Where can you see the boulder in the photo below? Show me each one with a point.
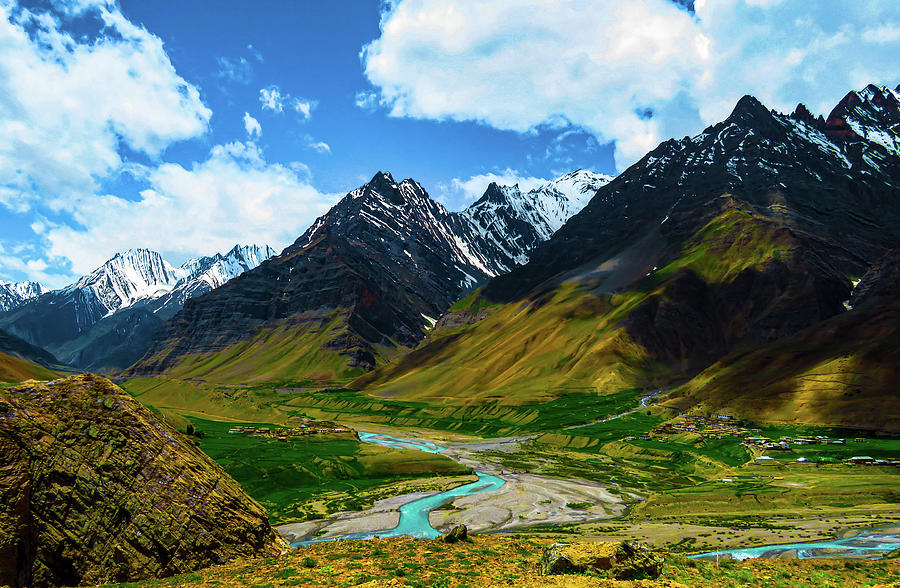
(615, 559)
(457, 533)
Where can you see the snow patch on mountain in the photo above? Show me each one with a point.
(141, 276)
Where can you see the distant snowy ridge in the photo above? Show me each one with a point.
(513, 223)
(142, 276)
(16, 293)
(207, 273)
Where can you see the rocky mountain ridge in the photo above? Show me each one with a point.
(740, 237)
(387, 258)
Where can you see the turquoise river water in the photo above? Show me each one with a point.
(867, 543)
(414, 515)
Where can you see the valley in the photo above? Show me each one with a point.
(697, 355)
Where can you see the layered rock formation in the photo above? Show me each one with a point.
(96, 489)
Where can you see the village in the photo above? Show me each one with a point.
(720, 426)
(285, 433)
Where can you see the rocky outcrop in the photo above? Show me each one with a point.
(96, 489)
(613, 559)
(457, 534)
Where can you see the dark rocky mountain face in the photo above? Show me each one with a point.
(96, 489)
(840, 194)
(12, 345)
(824, 192)
(387, 259)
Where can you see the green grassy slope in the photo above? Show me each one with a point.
(573, 337)
(290, 351)
(841, 372)
(14, 369)
(288, 476)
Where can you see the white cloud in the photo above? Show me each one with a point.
(272, 98)
(252, 126)
(66, 102)
(255, 53)
(604, 65)
(233, 196)
(886, 33)
(367, 100)
(316, 145)
(459, 193)
(237, 70)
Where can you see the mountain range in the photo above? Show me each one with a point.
(693, 270)
(365, 281)
(105, 319)
(694, 264)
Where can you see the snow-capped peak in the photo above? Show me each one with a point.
(15, 293)
(219, 268)
(514, 223)
(128, 277)
(142, 275)
(871, 115)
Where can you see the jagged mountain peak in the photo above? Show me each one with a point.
(868, 116)
(748, 105)
(383, 189)
(497, 194)
(129, 276)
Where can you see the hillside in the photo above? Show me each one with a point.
(20, 361)
(840, 371)
(736, 239)
(97, 489)
(493, 560)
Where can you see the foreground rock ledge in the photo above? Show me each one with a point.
(94, 488)
(615, 559)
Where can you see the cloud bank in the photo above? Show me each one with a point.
(79, 109)
(632, 72)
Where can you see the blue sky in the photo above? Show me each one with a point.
(189, 126)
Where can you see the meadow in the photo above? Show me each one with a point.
(314, 475)
(286, 402)
(492, 560)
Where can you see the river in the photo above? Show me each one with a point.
(414, 520)
(868, 542)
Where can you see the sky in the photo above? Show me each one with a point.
(186, 127)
